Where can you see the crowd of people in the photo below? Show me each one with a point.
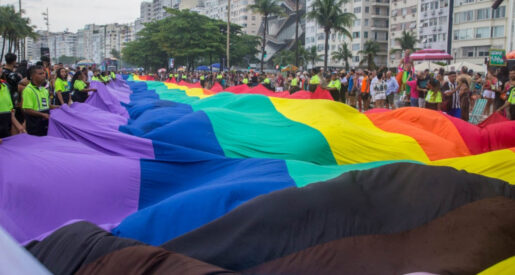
(452, 92)
(27, 94)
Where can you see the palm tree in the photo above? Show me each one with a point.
(313, 56)
(369, 51)
(344, 54)
(329, 15)
(407, 41)
(266, 8)
(13, 28)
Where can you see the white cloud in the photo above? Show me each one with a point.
(73, 14)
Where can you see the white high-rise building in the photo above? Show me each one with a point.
(433, 24)
(403, 17)
(91, 43)
(146, 12)
(241, 14)
(478, 28)
(372, 21)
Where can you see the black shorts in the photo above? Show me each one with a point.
(5, 125)
(37, 126)
(79, 96)
(432, 106)
(66, 98)
(19, 114)
(365, 96)
(512, 111)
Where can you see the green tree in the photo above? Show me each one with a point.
(266, 8)
(143, 51)
(329, 15)
(343, 54)
(69, 60)
(407, 41)
(370, 48)
(115, 53)
(191, 39)
(313, 56)
(244, 48)
(284, 57)
(14, 28)
(187, 35)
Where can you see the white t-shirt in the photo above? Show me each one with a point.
(372, 83)
(90, 75)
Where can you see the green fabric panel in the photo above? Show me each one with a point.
(250, 126)
(304, 173)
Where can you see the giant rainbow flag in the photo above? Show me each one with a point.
(247, 180)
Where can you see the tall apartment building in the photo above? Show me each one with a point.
(433, 24)
(478, 28)
(240, 13)
(403, 17)
(91, 43)
(116, 37)
(281, 30)
(372, 23)
(59, 44)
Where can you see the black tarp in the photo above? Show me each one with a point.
(466, 240)
(388, 199)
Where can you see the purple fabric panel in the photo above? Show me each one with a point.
(106, 101)
(98, 129)
(66, 180)
(120, 91)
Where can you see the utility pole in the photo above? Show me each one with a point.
(228, 33)
(22, 42)
(297, 33)
(45, 17)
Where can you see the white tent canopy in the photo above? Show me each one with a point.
(457, 67)
(426, 65)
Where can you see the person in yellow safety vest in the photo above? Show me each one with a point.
(314, 82)
(7, 115)
(170, 76)
(202, 80)
(176, 76)
(294, 84)
(335, 86)
(113, 75)
(266, 82)
(96, 76)
(510, 102)
(104, 77)
(245, 80)
(36, 102)
(219, 78)
(184, 77)
(62, 88)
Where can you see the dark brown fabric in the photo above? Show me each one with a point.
(149, 260)
(464, 241)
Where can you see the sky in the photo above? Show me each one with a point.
(74, 14)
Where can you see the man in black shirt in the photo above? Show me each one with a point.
(12, 79)
(9, 75)
(22, 69)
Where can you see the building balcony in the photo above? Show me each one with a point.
(379, 28)
(380, 3)
(380, 15)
